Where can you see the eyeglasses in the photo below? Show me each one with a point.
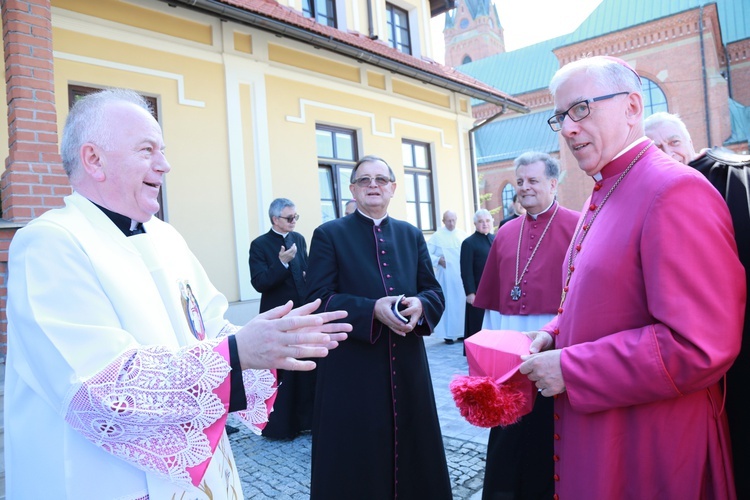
(577, 111)
(365, 181)
(290, 219)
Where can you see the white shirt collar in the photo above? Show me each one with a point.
(534, 216)
(376, 221)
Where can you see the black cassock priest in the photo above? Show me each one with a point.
(376, 433)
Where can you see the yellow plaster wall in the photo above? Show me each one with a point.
(376, 80)
(305, 60)
(139, 17)
(197, 190)
(243, 42)
(356, 110)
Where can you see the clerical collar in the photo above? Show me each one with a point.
(620, 162)
(283, 235)
(375, 221)
(534, 216)
(128, 226)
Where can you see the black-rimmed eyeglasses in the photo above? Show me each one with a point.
(365, 181)
(290, 219)
(577, 111)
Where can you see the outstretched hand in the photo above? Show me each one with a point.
(280, 337)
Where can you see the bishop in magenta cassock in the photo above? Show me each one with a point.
(651, 312)
(519, 291)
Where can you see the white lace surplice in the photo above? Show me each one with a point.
(116, 360)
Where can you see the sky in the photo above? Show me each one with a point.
(526, 22)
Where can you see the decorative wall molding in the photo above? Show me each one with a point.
(177, 78)
(302, 118)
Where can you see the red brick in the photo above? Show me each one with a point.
(18, 213)
(51, 158)
(59, 180)
(48, 138)
(29, 82)
(46, 116)
(40, 189)
(23, 156)
(19, 93)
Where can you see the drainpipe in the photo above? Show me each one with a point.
(475, 186)
(370, 28)
(705, 80)
(729, 71)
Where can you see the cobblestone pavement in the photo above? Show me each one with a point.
(280, 469)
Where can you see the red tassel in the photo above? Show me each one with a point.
(484, 404)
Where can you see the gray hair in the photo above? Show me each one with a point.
(551, 165)
(367, 158)
(482, 212)
(87, 122)
(277, 206)
(608, 72)
(657, 119)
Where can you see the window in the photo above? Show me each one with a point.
(398, 28)
(420, 208)
(466, 60)
(654, 99)
(337, 154)
(507, 194)
(323, 11)
(75, 92)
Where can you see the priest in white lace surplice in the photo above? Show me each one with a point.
(121, 368)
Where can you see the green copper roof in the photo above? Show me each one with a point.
(615, 15)
(531, 68)
(518, 71)
(740, 119)
(507, 139)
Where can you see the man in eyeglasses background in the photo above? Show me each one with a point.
(651, 310)
(729, 173)
(278, 263)
(375, 429)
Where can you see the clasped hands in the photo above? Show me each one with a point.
(542, 365)
(280, 337)
(384, 314)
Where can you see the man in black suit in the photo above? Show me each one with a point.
(376, 433)
(518, 211)
(278, 264)
(474, 251)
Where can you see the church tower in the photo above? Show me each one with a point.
(472, 31)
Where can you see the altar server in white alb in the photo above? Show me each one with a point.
(445, 251)
(121, 368)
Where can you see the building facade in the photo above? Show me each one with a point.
(694, 59)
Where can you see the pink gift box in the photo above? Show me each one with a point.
(497, 354)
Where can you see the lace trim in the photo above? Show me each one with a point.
(151, 406)
(260, 391)
(260, 394)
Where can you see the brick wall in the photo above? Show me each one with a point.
(33, 180)
(668, 52)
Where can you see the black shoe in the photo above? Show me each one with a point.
(449, 341)
(230, 429)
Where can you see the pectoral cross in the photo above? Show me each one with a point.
(515, 293)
